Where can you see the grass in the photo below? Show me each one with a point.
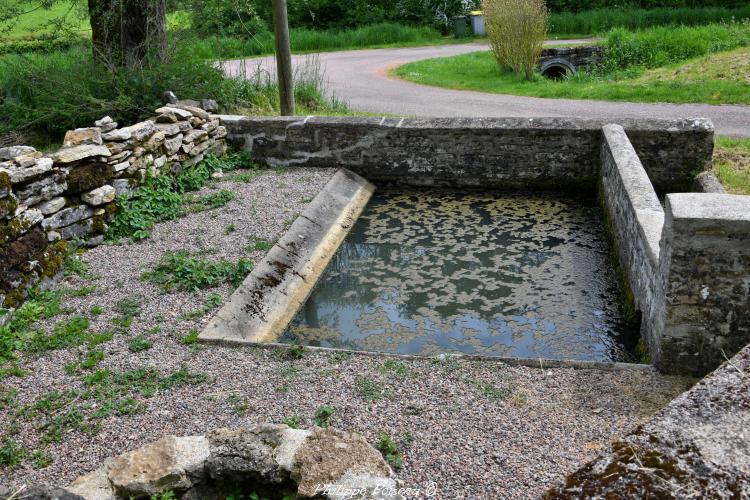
(732, 164)
(601, 20)
(716, 78)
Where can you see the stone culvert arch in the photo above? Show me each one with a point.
(557, 68)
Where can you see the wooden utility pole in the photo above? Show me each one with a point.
(283, 57)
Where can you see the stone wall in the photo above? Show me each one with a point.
(483, 152)
(705, 265)
(687, 266)
(636, 218)
(48, 200)
(569, 59)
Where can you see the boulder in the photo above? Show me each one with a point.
(328, 454)
(172, 463)
(91, 135)
(241, 454)
(81, 152)
(99, 196)
(168, 97)
(95, 485)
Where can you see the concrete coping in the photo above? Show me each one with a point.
(269, 298)
(709, 206)
(641, 194)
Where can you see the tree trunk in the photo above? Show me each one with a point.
(127, 32)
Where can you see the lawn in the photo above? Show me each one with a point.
(732, 164)
(720, 78)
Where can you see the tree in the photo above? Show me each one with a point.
(125, 32)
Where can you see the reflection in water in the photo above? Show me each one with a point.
(429, 272)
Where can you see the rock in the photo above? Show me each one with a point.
(94, 485)
(53, 236)
(193, 161)
(196, 111)
(95, 241)
(99, 196)
(67, 217)
(217, 175)
(200, 148)
(186, 147)
(91, 135)
(155, 141)
(106, 124)
(27, 160)
(328, 454)
(23, 249)
(173, 145)
(171, 463)
(139, 131)
(168, 97)
(210, 126)
(76, 153)
(19, 174)
(44, 189)
(8, 153)
(116, 169)
(181, 114)
(195, 136)
(8, 206)
(210, 105)
(169, 129)
(52, 206)
(31, 216)
(77, 230)
(40, 493)
(117, 158)
(291, 441)
(219, 132)
(160, 161)
(218, 148)
(124, 187)
(196, 122)
(167, 118)
(238, 454)
(366, 486)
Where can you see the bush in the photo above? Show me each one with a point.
(581, 5)
(516, 29)
(597, 21)
(667, 45)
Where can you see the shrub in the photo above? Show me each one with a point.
(580, 5)
(516, 29)
(237, 18)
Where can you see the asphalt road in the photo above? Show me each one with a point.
(360, 78)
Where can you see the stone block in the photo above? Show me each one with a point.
(68, 216)
(91, 135)
(43, 189)
(81, 152)
(10, 152)
(52, 206)
(99, 196)
(37, 168)
(179, 113)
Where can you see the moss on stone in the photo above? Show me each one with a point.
(8, 206)
(98, 225)
(53, 259)
(87, 177)
(13, 229)
(5, 181)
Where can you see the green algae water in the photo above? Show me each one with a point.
(512, 275)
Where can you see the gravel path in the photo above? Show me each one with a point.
(360, 78)
(479, 429)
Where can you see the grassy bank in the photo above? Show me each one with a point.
(601, 20)
(732, 164)
(660, 65)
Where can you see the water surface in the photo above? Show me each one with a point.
(430, 272)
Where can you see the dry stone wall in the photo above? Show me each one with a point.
(49, 200)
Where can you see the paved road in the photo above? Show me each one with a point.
(359, 78)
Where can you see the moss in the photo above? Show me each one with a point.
(110, 210)
(13, 229)
(53, 259)
(14, 298)
(88, 177)
(5, 181)
(8, 205)
(98, 224)
(641, 351)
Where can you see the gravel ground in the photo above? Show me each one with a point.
(478, 429)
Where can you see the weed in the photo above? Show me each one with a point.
(292, 421)
(129, 307)
(288, 371)
(41, 459)
(389, 448)
(96, 310)
(258, 245)
(209, 201)
(181, 271)
(166, 495)
(395, 367)
(73, 264)
(11, 453)
(240, 405)
(288, 223)
(340, 356)
(139, 343)
(191, 338)
(492, 392)
(100, 338)
(323, 416)
(230, 228)
(83, 291)
(7, 397)
(295, 351)
(92, 359)
(368, 389)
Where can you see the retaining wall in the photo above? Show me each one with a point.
(47, 200)
(483, 152)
